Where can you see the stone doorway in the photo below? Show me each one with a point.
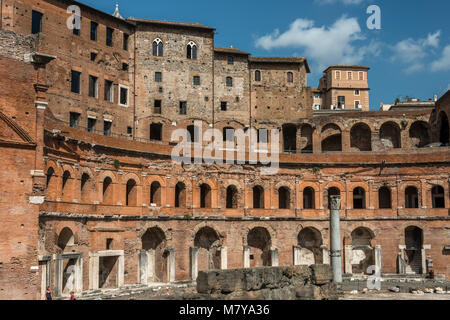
(413, 250)
(106, 269)
(154, 257)
(68, 274)
(259, 243)
(363, 255)
(310, 246)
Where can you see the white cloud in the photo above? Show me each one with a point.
(443, 63)
(412, 52)
(325, 45)
(346, 2)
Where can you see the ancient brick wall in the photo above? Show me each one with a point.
(74, 53)
(19, 227)
(177, 75)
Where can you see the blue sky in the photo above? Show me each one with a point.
(410, 55)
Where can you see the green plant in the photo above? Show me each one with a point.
(316, 170)
(117, 164)
(187, 216)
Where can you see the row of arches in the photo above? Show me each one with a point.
(231, 197)
(258, 240)
(330, 137)
(361, 137)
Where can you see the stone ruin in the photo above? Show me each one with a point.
(267, 283)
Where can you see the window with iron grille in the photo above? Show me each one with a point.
(158, 76)
(196, 80)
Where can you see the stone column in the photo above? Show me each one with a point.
(326, 255)
(79, 274)
(297, 255)
(143, 267)
(378, 260)
(348, 256)
(424, 257)
(193, 262)
(246, 257)
(151, 266)
(335, 231)
(401, 260)
(345, 140)
(274, 257)
(57, 286)
(426, 201)
(223, 258)
(171, 264)
(120, 271)
(93, 271)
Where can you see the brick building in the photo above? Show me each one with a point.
(92, 200)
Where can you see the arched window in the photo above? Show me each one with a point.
(229, 81)
(192, 50)
(411, 198)
(107, 191)
(361, 137)
(438, 196)
(290, 77)
(359, 198)
(50, 175)
(208, 243)
(157, 48)
(66, 238)
(309, 201)
(307, 140)
(310, 242)
(331, 138)
(131, 196)
(257, 75)
(205, 196)
(390, 135)
(65, 180)
(258, 197)
(284, 198)
(232, 197)
(289, 138)
(180, 195)
(84, 186)
(155, 193)
(420, 134)
(443, 128)
(384, 198)
(260, 243)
